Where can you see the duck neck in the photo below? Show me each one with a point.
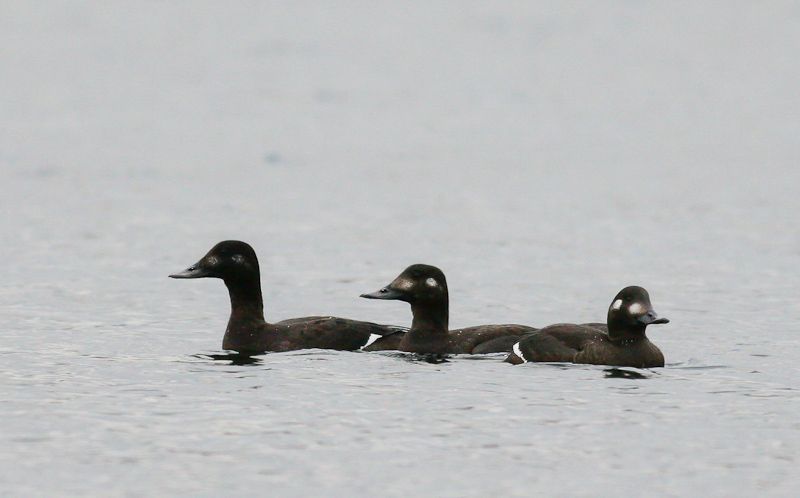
(247, 305)
(430, 317)
(626, 334)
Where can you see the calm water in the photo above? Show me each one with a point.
(543, 156)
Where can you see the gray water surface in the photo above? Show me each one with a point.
(543, 155)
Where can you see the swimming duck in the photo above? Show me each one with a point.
(235, 262)
(622, 342)
(424, 287)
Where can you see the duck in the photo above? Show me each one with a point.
(620, 342)
(424, 287)
(236, 264)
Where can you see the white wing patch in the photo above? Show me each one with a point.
(431, 282)
(518, 352)
(617, 304)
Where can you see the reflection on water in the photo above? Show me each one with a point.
(233, 358)
(433, 359)
(622, 373)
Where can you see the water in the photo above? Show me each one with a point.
(544, 156)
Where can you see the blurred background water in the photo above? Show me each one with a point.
(543, 154)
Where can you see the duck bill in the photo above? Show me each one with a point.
(385, 293)
(194, 271)
(651, 318)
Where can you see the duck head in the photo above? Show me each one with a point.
(631, 312)
(425, 289)
(230, 260)
(416, 285)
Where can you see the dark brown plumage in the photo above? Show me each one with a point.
(621, 342)
(424, 287)
(236, 264)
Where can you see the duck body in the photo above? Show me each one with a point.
(620, 342)
(235, 262)
(480, 339)
(424, 287)
(315, 332)
(570, 343)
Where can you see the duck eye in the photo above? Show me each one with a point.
(237, 258)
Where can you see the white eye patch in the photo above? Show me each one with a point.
(617, 304)
(212, 260)
(431, 282)
(404, 284)
(237, 258)
(636, 309)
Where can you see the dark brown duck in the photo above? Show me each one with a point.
(236, 264)
(425, 289)
(623, 343)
